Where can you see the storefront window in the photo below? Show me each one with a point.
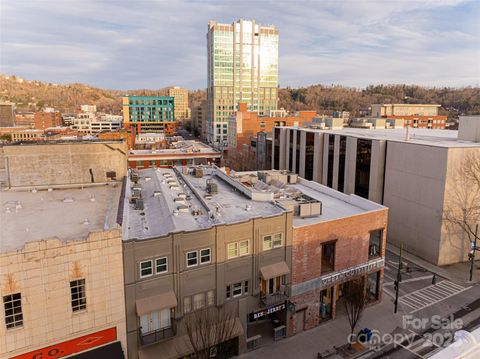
(326, 297)
(373, 286)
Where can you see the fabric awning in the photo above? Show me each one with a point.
(274, 270)
(156, 303)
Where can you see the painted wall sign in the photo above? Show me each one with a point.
(72, 346)
(264, 312)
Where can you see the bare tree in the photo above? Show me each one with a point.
(471, 168)
(462, 205)
(210, 332)
(355, 301)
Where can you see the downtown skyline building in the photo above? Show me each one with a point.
(242, 67)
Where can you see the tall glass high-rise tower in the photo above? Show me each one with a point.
(242, 67)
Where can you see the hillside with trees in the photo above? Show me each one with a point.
(35, 95)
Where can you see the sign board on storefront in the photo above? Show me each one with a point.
(337, 277)
(261, 314)
(72, 346)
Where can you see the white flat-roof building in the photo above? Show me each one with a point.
(411, 171)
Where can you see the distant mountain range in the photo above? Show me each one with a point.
(30, 95)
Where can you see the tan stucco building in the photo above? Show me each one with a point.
(180, 100)
(61, 273)
(401, 109)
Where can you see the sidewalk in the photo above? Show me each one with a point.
(334, 333)
(457, 273)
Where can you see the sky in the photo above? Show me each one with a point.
(154, 43)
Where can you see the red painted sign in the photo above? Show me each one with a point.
(72, 346)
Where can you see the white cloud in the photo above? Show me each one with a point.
(152, 44)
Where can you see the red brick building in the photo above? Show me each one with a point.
(326, 255)
(44, 120)
(245, 124)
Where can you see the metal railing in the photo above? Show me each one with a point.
(274, 298)
(254, 342)
(157, 335)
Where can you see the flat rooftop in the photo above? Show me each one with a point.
(335, 204)
(180, 148)
(165, 212)
(68, 214)
(176, 200)
(421, 136)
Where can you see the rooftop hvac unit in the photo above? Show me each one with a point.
(212, 187)
(199, 172)
(134, 177)
(182, 208)
(137, 194)
(292, 178)
(139, 204)
(310, 209)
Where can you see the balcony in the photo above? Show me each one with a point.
(272, 299)
(158, 335)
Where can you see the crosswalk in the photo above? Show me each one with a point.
(430, 295)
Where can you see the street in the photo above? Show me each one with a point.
(421, 299)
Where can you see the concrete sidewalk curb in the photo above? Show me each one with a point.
(430, 267)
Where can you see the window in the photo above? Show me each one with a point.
(243, 248)
(331, 147)
(210, 298)
(13, 310)
(362, 170)
(237, 249)
(161, 265)
(79, 299)
(205, 256)
(328, 257)
(187, 305)
(155, 320)
(232, 250)
(198, 301)
(192, 258)
(146, 269)
(272, 241)
(277, 240)
(375, 243)
(341, 163)
(237, 289)
(373, 281)
(267, 243)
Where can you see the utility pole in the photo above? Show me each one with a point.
(399, 279)
(471, 255)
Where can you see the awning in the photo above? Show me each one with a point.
(110, 351)
(274, 270)
(156, 303)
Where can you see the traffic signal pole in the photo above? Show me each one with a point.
(399, 279)
(472, 252)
